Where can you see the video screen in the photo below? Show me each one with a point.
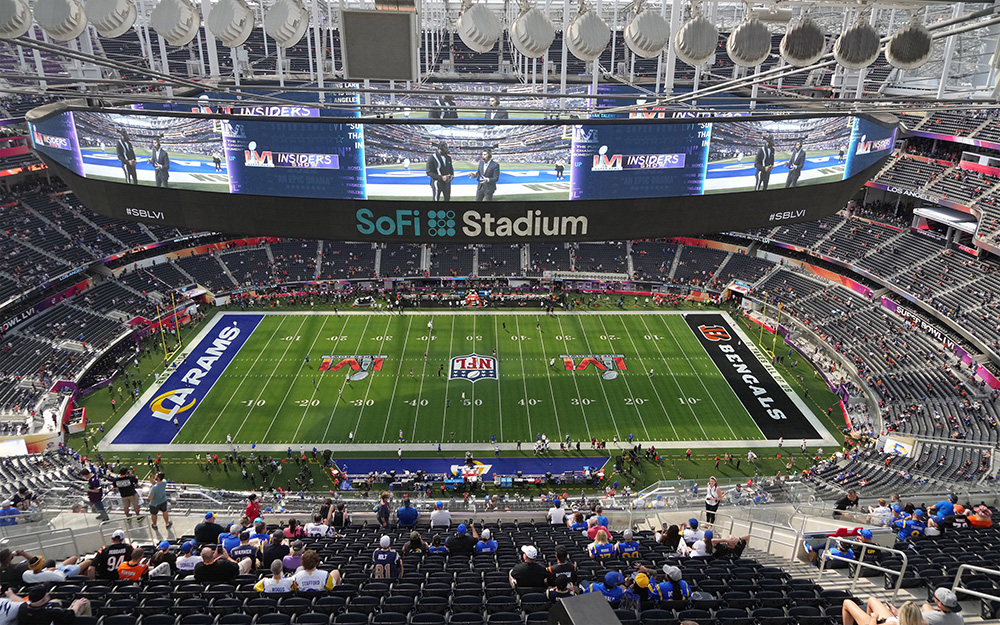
(472, 163)
(770, 154)
(869, 143)
(155, 150)
(56, 136)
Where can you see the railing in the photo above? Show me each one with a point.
(770, 528)
(955, 588)
(860, 563)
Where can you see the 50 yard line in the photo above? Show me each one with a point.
(447, 382)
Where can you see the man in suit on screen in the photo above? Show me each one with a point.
(161, 164)
(796, 162)
(441, 172)
(494, 111)
(487, 174)
(126, 155)
(764, 163)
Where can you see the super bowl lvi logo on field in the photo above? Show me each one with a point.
(608, 364)
(473, 368)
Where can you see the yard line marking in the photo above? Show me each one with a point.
(244, 379)
(447, 382)
(552, 394)
(472, 420)
(662, 357)
(302, 365)
(302, 419)
(496, 333)
(264, 386)
(524, 378)
(392, 396)
(371, 380)
(625, 378)
(368, 319)
(607, 400)
(579, 396)
(702, 382)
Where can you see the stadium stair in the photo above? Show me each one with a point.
(676, 262)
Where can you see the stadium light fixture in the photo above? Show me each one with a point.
(177, 21)
(232, 21)
(696, 40)
(910, 47)
(648, 33)
(749, 43)
(858, 46)
(15, 18)
(62, 20)
(803, 44)
(478, 27)
(587, 35)
(286, 21)
(111, 18)
(531, 32)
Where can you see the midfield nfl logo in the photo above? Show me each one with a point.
(361, 366)
(473, 368)
(608, 364)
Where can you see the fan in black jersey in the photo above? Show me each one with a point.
(126, 484)
(110, 556)
(388, 564)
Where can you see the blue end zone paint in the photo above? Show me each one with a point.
(500, 466)
(188, 385)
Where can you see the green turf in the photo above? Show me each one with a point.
(267, 393)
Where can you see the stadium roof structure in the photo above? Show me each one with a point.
(944, 54)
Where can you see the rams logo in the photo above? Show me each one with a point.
(175, 404)
(714, 333)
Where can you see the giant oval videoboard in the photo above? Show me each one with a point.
(293, 173)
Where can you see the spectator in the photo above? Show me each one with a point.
(672, 539)
(528, 575)
(705, 547)
(673, 587)
(276, 550)
(95, 494)
(730, 548)
(691, 533)
(188, 559)
(38, 610)
(486, 543)
(388, 563)
(293, 530)
(383, 512)
(576, 522)
(440, 517)
(23, 499)
(245, 550)
(878, 612)
(945, 610)
(158, 500)
(253, 507)
(461, 543)
(164, 562)
(627, 548)
(416, 544)
(310, 578)
(207, 532)
(110, 556)
(9, 604)
(39, 573)
(436, 545)
(9, 514)
(340, 518)
(562, 568)
(560, 589)
(260, 534)
(133, 569)
(293, 560)
(216, 567)
(277, 582)
(556, 514)
(318, 528)
(850, 500)
(407, 515)
(126, 484)
(601, 548)
(231, 539)
(946, 507)
(611, 587)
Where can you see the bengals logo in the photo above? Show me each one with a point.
(714, 333)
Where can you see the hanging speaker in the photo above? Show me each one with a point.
(231, 21)
(647, 34)
(858, 46)
(286, 21)
(60, 19)
(696, 41)
(587, 35)
(15, 18)
(803, 44)
(910, 47)
(177, 21)
(532, 32)
(749, 43)
(478, 27)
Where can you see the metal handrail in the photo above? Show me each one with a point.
(975, 593)
(827, 556)
(771, 526)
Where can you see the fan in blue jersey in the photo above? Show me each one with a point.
(912, 527)
(673, 588)
(485, 544)
(627, 548)
(387, 563)
(601, 548)
(611, 587)
(437, 545)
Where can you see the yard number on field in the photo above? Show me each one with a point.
(690, 400)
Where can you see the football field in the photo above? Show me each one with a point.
(422, 378)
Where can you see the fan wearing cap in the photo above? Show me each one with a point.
(95, 494)
(876, 612)
(387, 563)
(945, 610)
(441, 171)
(461, 542)
(164, 562)
(672, 588)
(486, 543)
(38, 610)
(207, 532)
(437, 545)
(690, 532)
(245, 550)
(556, 514)
(440, 517)
(611, 587)
(293, 560)
(40, 571)
(560, 588)
(911, 526)
(275, 550)
(188, 558)
(110, 556)
(528, 575)
(946, 507)
(627, 548)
